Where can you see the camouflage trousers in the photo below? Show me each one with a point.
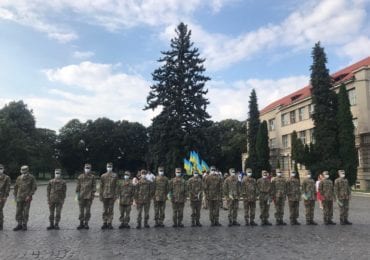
(214, 210)
(328, 210)
(108, 210)
(22, 211)
(279, 208)
(293, 210)
(85, 209)
(343, 209)
(233, 210)
(2, 204)
(205, 201)
(264, 208)
(159, 211)
(178, 212)
(140, 207)
(55, 209)
(195, 210)
(309, 209)
(125, 213)
(249, 210)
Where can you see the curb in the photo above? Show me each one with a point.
(361, 194)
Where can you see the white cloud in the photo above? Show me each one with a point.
(83, 54)
(357, 49)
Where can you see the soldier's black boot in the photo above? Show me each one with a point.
(217, 223)
(282, 222)
(198, 223)
(56, 226)
(175, 223)
(156, 224)
(138, 225)
(247, 222)
(109, 226)
(18, 227)
(86, 226)
(146, 224)
(51, 226)
(81, 226)
(193, 223)
(313, 223)
(252, 223)
(180, 224)
(105, 225)
(236, 223)
(267, 223)
(122, 226)
(347, 222)
(24, 226)
(330, 222)
(230, 223)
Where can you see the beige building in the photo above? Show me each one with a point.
(293, 112)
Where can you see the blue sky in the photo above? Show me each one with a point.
(88, 59)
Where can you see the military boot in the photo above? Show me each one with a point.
(105, 226)
(122, 226)
(56, 226)
(109, 226)
(217, 223)
(330, 222)
(86, 226)
(138, 225)
(157, 224)
(347, 222)
(252, 223)
(198, 223)
(193, 223)
(81, 226)
(180, 224)
(267, 223)
(18, 227)
(230, 223)
(51, 226)
(236, 223)
(24, 226)
(146, 225)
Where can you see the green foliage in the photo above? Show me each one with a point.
(253, 126)
(346, 136)
(297, 148)
(262, 149)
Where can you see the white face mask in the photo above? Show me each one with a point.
(161, 173)
(57, 175)
(342, 175)
(1, 171)
(213, 172)
(278, 174)
(249, 174)
(232, 174)
(126, 177)
(196, 174)
(264, 176)
(308, 176)
(326, 176)
(293, 174)
(87, 170)
(109, 169)
(178, 174)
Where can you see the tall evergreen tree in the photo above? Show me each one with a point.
(262, 149)
(297, 148)
(179, 90)
(253, 126)
(346, 136)
(324, 116)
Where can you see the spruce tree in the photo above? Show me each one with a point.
(262, 149)
(297, 148)
(346, 136)
(179, 90)
(324, 116)
(253, 126)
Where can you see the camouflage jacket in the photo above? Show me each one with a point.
(4, 185)
(161, 188)
(264, 188)
(213, 187)
(86, 186)
(249, 189)
(25, 186)
(108, 186)
(293, 189)
(279, 187)
(326, 189)
(143, 191)
(56, 190)
(232, 188)
(126, 192)
(178, 190)
(195, 188)
(309, 189)
(342, 190)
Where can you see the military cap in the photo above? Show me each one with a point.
(178, 170)
(24, 168)
(1, 166)
(127, 173)
(110, 164)
(143, 172)
(341, 172)
(231, 170)
(278, 170)
(325, 172)
(248, 170)
(58, 170)
(160, 168)
(87, 165)
(213, 168)
(264, 172)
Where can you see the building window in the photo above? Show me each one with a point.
(301, 114)
(272, 124)
(285, 141)
(284, 119)
(302, 136)
(292, 117)
(311, 109)
(352, 97)
(272, 143)
(284, 163)
(312, 138)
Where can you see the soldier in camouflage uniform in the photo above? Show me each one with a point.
(231, 190)
(85, 191)
(326, 189)
(213, 191)
(279, 192)
(56, 194)
(342, 192)
(24, 188)
(264, 191)
(178, 193)
(195, 188)
(108, 195)
(294, 194)
(4, 193)
(161, 187)
(249, 192)
(143, 194)
(308, 193)
(125, 191)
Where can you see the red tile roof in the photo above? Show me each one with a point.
(339, 76)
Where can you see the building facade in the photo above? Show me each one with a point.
(294, 113)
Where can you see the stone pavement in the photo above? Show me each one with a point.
(275, 242)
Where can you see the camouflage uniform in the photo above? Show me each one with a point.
(4, 194)
(213, 191)
(143, 195)
(108, 195)
(85, 189)
(342, 192)
(125, 192)
(161, 187)
(177, 190)
(249, 192)
(231, 189)
(264, 191)
(195, 188)
(327, 192)
(308, 192)
(56, 194)
(24, 188)
(279, 192)
(294, 194)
